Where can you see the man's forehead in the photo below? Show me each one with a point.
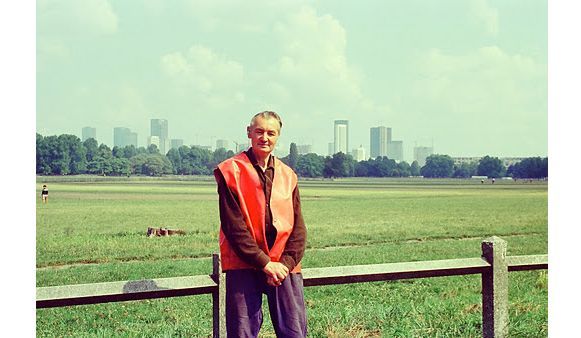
(265, 123)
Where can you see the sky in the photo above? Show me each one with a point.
(466, 76)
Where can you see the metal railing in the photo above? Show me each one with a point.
(493, 266)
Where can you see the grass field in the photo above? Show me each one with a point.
(93, 230)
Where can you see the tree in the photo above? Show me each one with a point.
(340, 165)
(42, 156)
(120, 166)
(464, 170)
(531, 167)
(404, 169)
(438, 166)
(310, 165)
(415, 169)
(129, 151)
(491, 167)
(102, 161)
(293, 156)
(152, 149)
(91, 148)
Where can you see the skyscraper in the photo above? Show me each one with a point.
(358, 154)
(421, 153)
(395, 150)
(304, 149)
(89, 132)
(176, 143)
(159, 129)
(379, 138)
(341, 140)
(123, 137)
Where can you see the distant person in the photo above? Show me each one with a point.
(493, 180)
(482, 181)
(262, 236)
(44, 194)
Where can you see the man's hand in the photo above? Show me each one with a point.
(275, 273)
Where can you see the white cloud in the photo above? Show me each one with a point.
(255, 16)
(485, 15)
(203, 70)
(75, 17)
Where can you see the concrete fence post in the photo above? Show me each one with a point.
(218, 299)
(495, 289)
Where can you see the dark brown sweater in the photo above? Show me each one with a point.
(237, 233)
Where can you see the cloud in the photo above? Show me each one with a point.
(203, 69)
(485, 15)
(255, 16)
(55, 17)
(487, 80)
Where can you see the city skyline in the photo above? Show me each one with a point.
(404, 64)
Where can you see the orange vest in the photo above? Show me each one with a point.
(242, 179)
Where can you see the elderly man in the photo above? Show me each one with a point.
(262, 235)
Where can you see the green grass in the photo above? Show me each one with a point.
(94, 231)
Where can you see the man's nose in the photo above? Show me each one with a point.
(263, 137)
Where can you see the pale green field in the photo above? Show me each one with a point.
(94, 231)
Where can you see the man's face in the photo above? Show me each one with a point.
(264, 134)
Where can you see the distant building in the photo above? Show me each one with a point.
(203, 147)
(89, 132)
(358, 154)
(331, 148)
(223, 144)
(395, 150)
(379, 138)
(421, 153)
(281, 150)
(132, 139)
(341, 137)
(506, 161)
(176, 143)
(465, 160)
(242, 146)
(153, 140)
(304, 149)
(124, 137)
(159, 128)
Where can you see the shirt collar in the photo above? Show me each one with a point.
(250, 154)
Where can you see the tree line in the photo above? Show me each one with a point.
(67, 155)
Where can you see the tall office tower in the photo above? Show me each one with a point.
(176, 143)
(379, 138)
(358, 154)
(223, 144)
(132, 139)
(159, 129)
(421, 153)
(153, 140)
(121, 136)
(304, 149)
(341, 140)
(395, 150)
(89, 132)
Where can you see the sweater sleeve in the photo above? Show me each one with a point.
(295, 245)
(234, 227)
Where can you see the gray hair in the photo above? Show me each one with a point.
(267, 114)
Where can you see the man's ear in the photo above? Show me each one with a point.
(248, 132)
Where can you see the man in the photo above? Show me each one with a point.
(262, 236)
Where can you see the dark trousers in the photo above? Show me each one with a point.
(286, 304)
